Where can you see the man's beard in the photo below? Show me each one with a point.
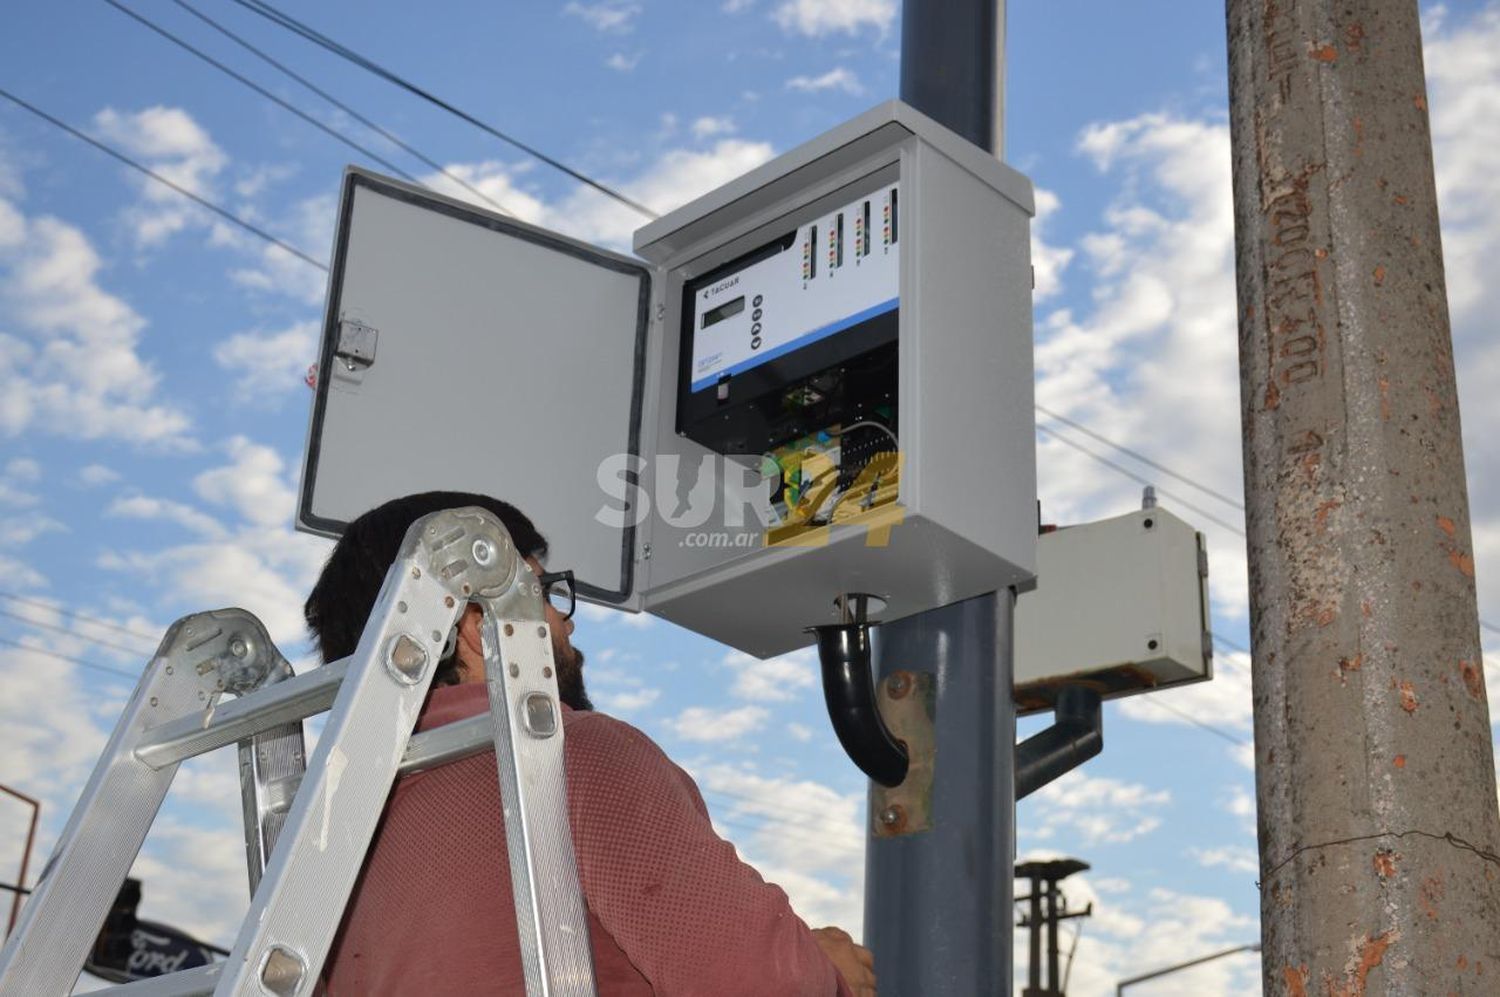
(570, 676)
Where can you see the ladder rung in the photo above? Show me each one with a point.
(294, 699)
(448, 743)
(183, 983)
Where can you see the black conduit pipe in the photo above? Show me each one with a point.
(849, 691)
(1076, 735)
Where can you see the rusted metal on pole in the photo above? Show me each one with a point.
(36, 811)
(1374, 769)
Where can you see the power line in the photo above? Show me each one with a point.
(1054, 434)
(108, 151)
(1136, 455)
(1231, 645)
(74, 634)
(1140, 457)
(71, 660)
(383, 133)
(325, 129)
(74, 614)
(290, 23)
(1202, 724)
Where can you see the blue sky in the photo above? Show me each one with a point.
(152, 410)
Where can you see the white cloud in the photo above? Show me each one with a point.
(620, 62)
(700, 723)
(708, 127)
(737, 6)
(23, 469)
(676, 177)
(1223, 702)
(628, 701)
(1462, 58)
(837, 78)
(799, 732)
(1048, 261)
(268, 364)
(17, 531)
(1235, 858)
(146, 507)
(94, 475)
(610, 15)
(1098, 809)
(254, 560)
(21, 575)
(19, 473)
(780, 679)
(821, 17)
(254, 484)
(804, 836)
(82, 375)
(308, 226)
(256, 180)
(175, 146)
(496, 182)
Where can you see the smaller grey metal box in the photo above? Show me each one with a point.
(1120, 604)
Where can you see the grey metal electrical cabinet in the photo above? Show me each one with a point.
(465, 350)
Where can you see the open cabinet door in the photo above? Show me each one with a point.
(467, 351)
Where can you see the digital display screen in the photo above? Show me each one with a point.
(724, 311)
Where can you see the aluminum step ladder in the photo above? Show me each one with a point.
(307, 832)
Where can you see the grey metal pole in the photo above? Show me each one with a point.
(938, 902)
(953, 66)
(1374, 769)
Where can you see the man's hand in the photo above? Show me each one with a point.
(855, 963)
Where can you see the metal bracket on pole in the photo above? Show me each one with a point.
(1076, 735)
(908, 701)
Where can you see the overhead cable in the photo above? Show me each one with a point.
(203, 202)
(1202, 724)
(1135, 455)
(1054, 434)
(73, 634)
(75, 615)
(1140, 457)
(268, 95)
(290, 23)
(377, 129)
(71, 660)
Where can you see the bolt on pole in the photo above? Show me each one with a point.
(1375, 774)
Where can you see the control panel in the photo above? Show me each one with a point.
(796, 336)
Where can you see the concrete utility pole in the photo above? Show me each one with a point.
(938, 903)
(1374, 770)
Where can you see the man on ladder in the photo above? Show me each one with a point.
(671, 908)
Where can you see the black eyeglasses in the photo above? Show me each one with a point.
(557, 589)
